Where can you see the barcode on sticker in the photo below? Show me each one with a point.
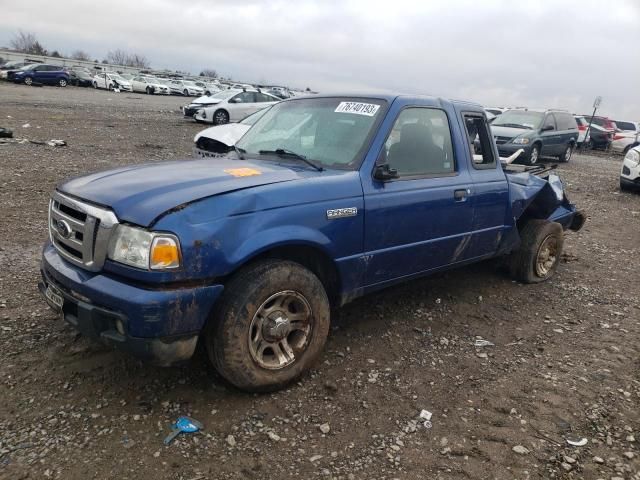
(368, 109)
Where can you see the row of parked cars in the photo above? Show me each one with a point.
(557, 133)
(39, 73)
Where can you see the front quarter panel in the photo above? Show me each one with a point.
(221, 233)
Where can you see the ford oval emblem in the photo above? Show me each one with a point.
(63, 229)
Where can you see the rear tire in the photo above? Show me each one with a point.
(148, 90)
(269, 327)
(537, 258)
(566, 156)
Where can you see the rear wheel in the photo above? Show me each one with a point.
(269, 327)
(185, 92)
(148, 90)
(62, 82)
(95, 84)
(566, 156)
(28, 81)
(539, 253)
(220, 117)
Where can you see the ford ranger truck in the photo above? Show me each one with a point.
(324, 199)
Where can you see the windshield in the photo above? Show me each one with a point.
(332, 132)
(519, 119)
(31, 66)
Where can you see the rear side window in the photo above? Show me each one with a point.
(480, 141)
(419, 144)
(565, 121)
(549, 121)
(625, 125)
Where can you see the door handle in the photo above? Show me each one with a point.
(461, 195)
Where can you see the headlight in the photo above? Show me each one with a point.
(634, 157)
(520, 141)
(139, 248)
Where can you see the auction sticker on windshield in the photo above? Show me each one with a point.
(368, 109)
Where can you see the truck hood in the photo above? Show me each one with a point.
(140, 194)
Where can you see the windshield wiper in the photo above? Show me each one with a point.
(512, 125)
(239, 151)
(283, 152)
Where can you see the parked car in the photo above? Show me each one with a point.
(582, 124)
(599, 137)
(149, 85)
(603, 122)
(40, 73)
(630, 173)
(111, 81)
(11, 66)
(232, 105)
(208, 88)
(187, 88)
(626, 136)
(247, 256)
(219, 140)
(280, 92)
(80, 77)
(537, 132)
(496, 110)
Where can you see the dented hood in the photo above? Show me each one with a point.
(139, 194)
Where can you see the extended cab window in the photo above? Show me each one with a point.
(480, 141)
(420, 144)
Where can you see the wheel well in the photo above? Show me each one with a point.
(312, 258)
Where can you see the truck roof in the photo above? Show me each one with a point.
(390, 97)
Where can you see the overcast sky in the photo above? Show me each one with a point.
(541, 54)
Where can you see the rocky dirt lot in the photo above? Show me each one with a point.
(565, 364)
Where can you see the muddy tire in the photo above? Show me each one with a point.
(566, 155)
(539, 254)
(269, 327)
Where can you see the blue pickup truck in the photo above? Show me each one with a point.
(324, 199)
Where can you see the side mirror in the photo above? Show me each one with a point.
(384, 172)
(546, 128)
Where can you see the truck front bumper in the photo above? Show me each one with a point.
(160, 324)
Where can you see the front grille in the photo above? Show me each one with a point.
(80, 231)
(500, 140)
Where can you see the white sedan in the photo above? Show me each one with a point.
(149, 85)
(186, 88)
(229, 105)
(111, 81)
(219, 140)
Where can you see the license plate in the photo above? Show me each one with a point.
(54, 296)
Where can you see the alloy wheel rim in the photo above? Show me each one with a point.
(280, 330)
(567, 154)
(534, 155)
(221, 117)
(27, 80)
(547, 256)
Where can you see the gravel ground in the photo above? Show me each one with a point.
(565, 362)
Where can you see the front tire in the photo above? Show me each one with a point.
(220, 117)
(148, 90)
(269, 327)
(28, 81)
(62, 82)
(534, 156)
(537, 258)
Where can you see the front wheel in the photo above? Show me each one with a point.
(220, 117)
(148, 90)
(269, 327)
(539, 253)
(28, 81)
(534, 155)
(62, 82)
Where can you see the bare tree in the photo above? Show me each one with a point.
(209, 72)
(26, 42)
(81, 55)
(120, 57)
(56, 54)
